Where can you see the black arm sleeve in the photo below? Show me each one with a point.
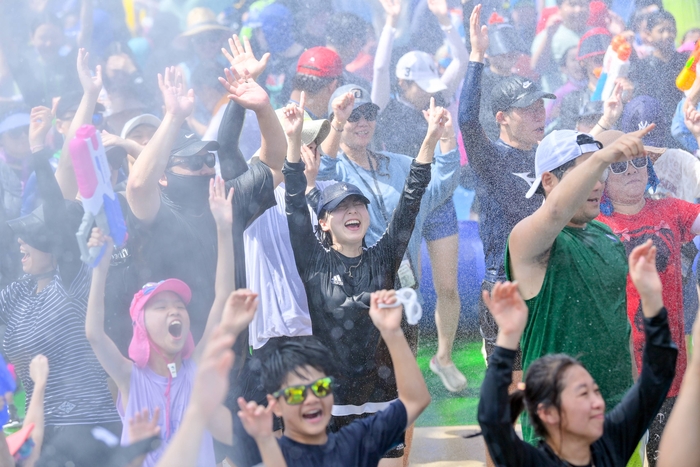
(59, 221)
(392, 246)
(231, 159)
(301, 233)
(627, 422)
(312, 198)
(494, 416)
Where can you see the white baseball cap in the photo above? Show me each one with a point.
(558, 148)
(143, 119)
(420, 67)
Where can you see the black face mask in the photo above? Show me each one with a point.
(187, 191)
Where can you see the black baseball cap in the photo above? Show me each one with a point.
(503, 39)
(335, 194)
(516, 91)
(189, 144)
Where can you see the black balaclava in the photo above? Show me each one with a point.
(187, 191)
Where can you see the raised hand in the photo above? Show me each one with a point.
(241, 56)
(509, 311)
(239, 311)
(645, 277)
(626, 147)
(40, 120)
(293, 121)
(97, 240)
(612, 107)
(439, 9)
(691, 117)
(92, 85)
(39, 370)
(478, 35)
(312, 163)
(178, 101)
(243, 89)
(256, 419)
(392, 8)
(211, 381)
(220, 203)
(342, 108)
(438, 118)
(143, 426)
(387, 320)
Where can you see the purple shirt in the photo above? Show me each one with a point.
(147, 390)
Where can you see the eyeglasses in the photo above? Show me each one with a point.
(367, 111)
(193, 163)
(295, 395)
(621, 167)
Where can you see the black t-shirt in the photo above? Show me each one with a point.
(182, 244)
(400, 129)
(360, 444)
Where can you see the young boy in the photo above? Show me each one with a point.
(299, 377)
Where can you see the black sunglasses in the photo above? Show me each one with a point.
(193, 163)
(367, 111)
(621, 167)
(295, 395)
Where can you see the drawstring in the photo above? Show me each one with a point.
(172, 373)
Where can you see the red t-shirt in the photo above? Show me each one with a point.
(667, 222)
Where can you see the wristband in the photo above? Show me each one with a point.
(605, 129)
(341, 127)
(36, 148)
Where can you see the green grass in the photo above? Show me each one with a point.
(447, 409)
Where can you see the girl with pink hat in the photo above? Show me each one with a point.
(159, 373)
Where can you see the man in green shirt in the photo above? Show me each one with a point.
(572, 270)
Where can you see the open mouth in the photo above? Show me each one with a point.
(593, 200)
(25, 255)
(313, 416)
(353, 225)
(175, 329)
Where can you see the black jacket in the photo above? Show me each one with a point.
(338, 288)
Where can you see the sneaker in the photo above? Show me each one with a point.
(451, 377)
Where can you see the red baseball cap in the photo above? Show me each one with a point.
(321, 62)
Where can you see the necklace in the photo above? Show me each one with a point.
(349, 270)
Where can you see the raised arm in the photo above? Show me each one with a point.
(221, 208)
(460, 56)
(381, 78)
(342, 108)
(142, 189)
(257, 421)
(92, 85)
(245, 91)
(409, 381)
(231, 159)
(114, 363)
(533, 237)
(208, 393)
(612, 111)
(541, 60)
(628, 421)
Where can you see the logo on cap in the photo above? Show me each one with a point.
(189, 136)
(407, 71)
(526, 84)
(642, 125)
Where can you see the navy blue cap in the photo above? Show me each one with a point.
(188, 144)
(641, 112)
(335, 194)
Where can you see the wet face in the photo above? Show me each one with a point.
(47, 40)
(582, 406)
(142, 134)
(628, 187)
(347, 223)
(15, 142)
(305, 422)
(359, 134)
(525, 125)
(34, 261)
(574, 14)
(591, 208)
(167, 322)
(663, 36)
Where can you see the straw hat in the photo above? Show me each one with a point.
(200, 20)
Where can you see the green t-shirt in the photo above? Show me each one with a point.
(581, 309)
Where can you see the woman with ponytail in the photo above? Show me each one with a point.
(562, 400)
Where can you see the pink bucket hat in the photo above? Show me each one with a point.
(140, 346)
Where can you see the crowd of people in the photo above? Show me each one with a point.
(212, 215)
